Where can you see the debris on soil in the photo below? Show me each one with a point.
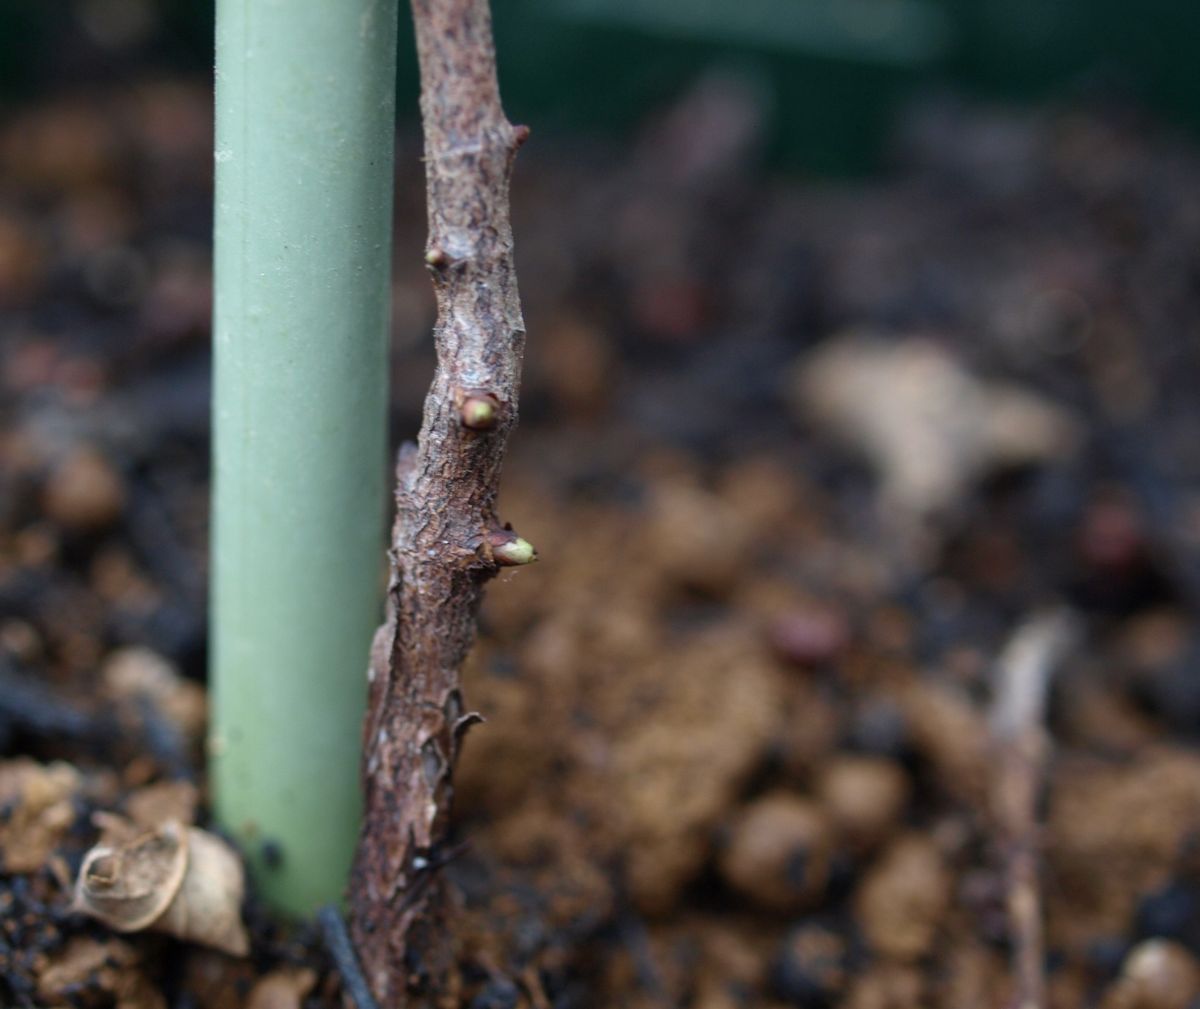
(779, 852)
(1158, 974)
(84, 493)
(87, 967)
(903, 899)
(1115, 832)
(286, 988)
(930, 427)
(171, 878)
(789, 505)
(39, 803)
(866, 798)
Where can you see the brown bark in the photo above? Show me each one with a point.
(446, 541)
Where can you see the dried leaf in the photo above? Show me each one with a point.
(128, 886)
(79, 963)
(209, 904)
(175, 879)
(929, 426)
(132, 676)
(111, 967)
(40, 799)
(282, 989)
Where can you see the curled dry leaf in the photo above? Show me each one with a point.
(129, 885)
(175, 879)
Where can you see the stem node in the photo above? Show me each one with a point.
(479, 411)
(510, 550)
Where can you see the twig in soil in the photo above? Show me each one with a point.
(446, 541)
(337, 941)
(1023, 675)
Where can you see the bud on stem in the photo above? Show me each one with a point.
(479, 411)
(510, 550)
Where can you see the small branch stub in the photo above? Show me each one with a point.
(510, 550)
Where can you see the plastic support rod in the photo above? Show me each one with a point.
(305, 98)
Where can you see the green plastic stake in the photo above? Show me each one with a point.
(304, 152)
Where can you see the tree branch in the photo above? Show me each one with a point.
(446, 542)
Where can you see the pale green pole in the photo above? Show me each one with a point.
(305, 98)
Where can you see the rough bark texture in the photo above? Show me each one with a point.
(446, 541)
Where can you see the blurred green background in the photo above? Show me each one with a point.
(834, 71)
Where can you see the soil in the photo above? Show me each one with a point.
(737, 749)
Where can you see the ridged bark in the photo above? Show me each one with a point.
(447, 541)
